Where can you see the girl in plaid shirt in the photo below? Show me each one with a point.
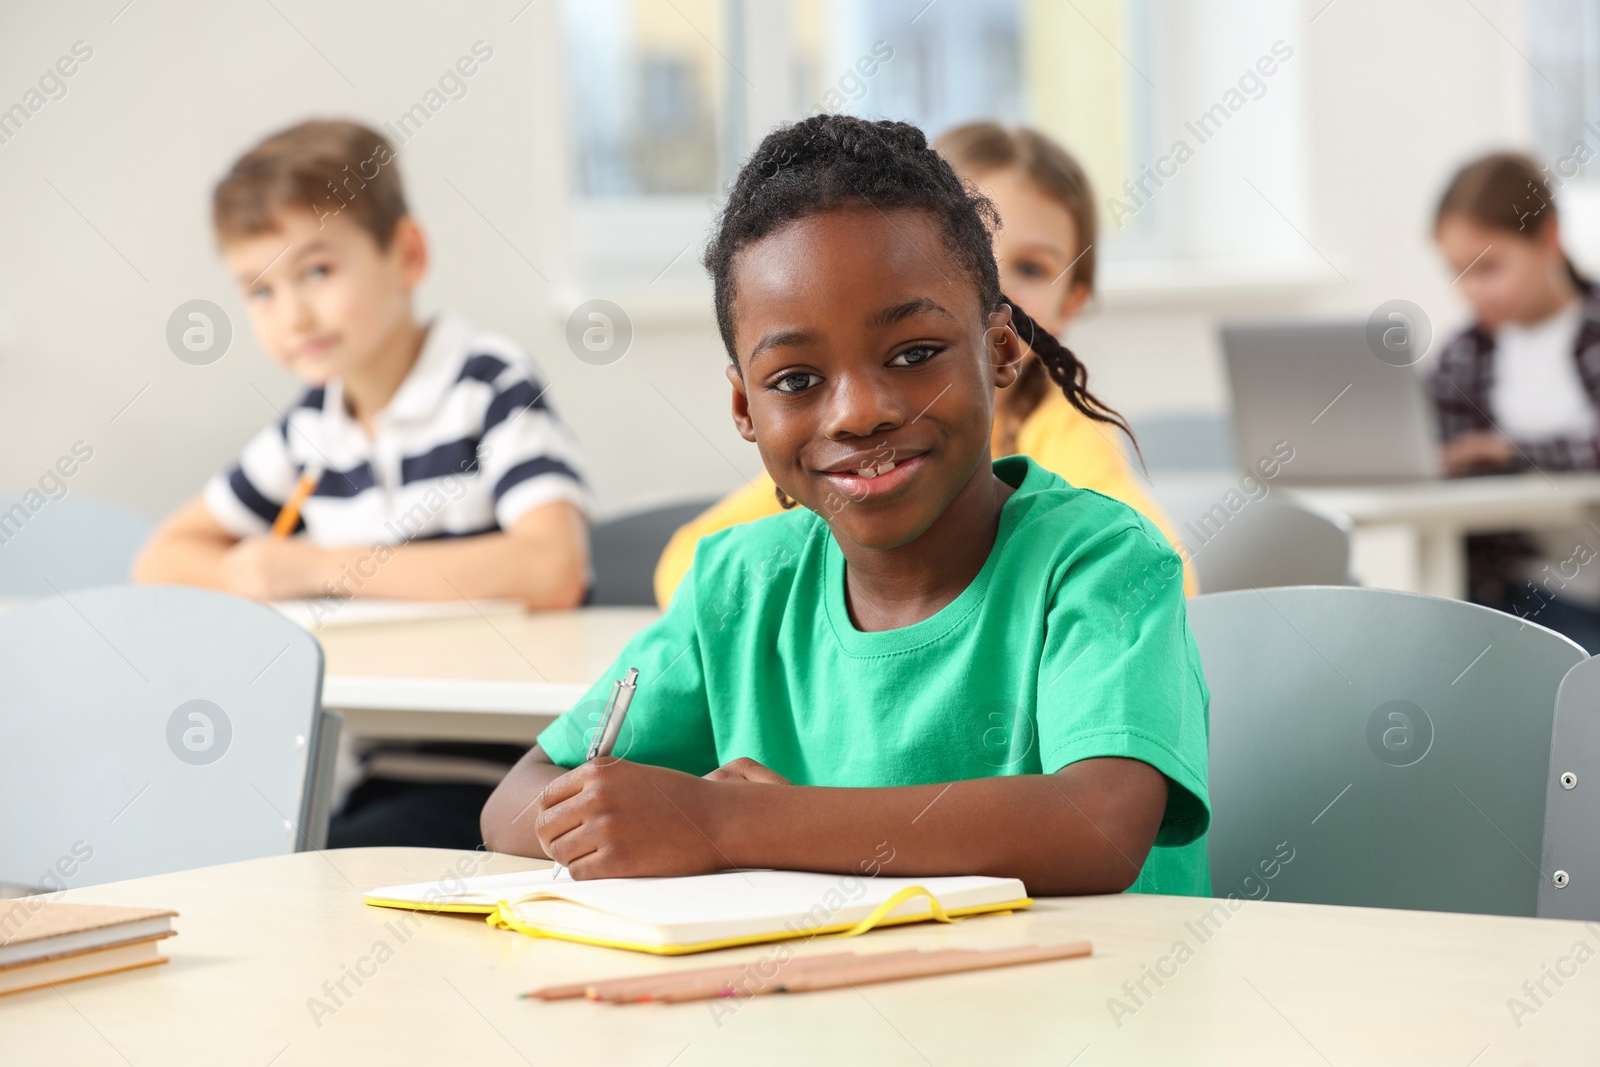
(1519, 389)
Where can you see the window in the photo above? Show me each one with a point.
(933, 65)
(1564, 82)
(643, 97)
(1564, 94)
(667, 96)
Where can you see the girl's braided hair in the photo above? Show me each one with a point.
(830, 161)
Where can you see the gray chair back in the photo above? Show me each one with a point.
(626, 549)
(147, 729)
(1395, 745)
(1240, 539)
(1570, 888)
(1183, 442)
(59, 545)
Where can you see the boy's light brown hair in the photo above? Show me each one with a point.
(326, 167)
(977, 148)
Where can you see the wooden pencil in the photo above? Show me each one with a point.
(868, 970)
(573, 990)
(289, 514)
(731, 981)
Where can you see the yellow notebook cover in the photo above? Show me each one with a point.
(678, 916)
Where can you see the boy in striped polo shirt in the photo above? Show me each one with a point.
(441, 470)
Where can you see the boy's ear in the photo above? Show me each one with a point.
(1006, 350)
(741, 405)
(410, 247)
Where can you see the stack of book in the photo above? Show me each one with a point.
(44, 942)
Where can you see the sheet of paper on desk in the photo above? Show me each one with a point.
(322, 612)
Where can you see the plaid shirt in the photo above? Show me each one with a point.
(1460, 385)
(1464, 377)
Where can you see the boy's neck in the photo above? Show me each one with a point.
(369, 388)
(886, 589)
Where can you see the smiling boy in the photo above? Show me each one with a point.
(931, 653)
(442, 472)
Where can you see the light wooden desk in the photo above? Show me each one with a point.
(1435, 516)
(498, 676)
(1270, 983)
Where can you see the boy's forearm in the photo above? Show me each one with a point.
(188, 548)
(496, 565)
(507, 821)
(1060, 834)
(174, 559)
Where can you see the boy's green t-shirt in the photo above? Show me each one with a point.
(1071, 643)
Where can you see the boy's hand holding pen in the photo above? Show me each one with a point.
(621, 817)
(611, 719)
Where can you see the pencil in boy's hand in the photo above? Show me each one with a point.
(289, 514)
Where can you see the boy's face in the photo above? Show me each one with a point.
(324, 299)
(863, 348)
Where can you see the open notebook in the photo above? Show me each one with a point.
(674, 916)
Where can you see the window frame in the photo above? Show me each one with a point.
(649, 246)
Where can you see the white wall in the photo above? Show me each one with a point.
(173, 92)
(1397, 94)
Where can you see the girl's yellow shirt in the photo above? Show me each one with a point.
(1058, 437)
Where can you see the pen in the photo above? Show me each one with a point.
(605, 735)
(289, 514)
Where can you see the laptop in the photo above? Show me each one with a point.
(1318, 387)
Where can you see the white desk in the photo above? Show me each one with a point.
(1267, 984)
(1426, 521)
(499, 676)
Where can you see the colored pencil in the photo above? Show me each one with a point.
(805, 974)
(868, 970)
(289, 514)
(608, 988)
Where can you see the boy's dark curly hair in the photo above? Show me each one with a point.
(830, 161)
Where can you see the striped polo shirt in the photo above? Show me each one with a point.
(467, 445)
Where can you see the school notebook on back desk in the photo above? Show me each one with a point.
(677, 916)
(321, 612)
